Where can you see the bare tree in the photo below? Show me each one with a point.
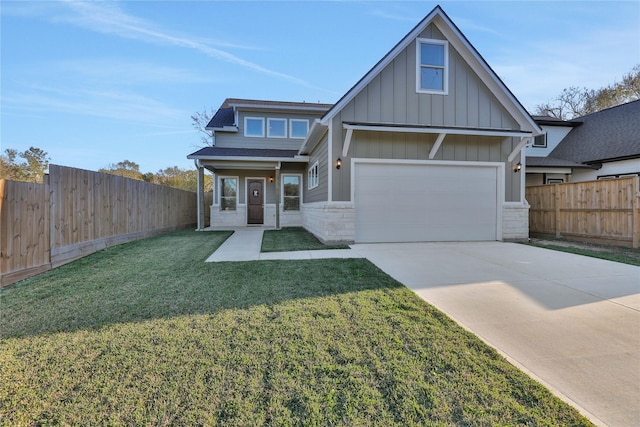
(199, 121)
(575, 102)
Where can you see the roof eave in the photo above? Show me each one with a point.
(316, 133)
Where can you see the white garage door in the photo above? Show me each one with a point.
(425, 202)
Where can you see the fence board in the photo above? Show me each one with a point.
(77, 212)
(606, 211)
(24, 230)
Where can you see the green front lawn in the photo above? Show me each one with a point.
(148, 334)
(293, 239)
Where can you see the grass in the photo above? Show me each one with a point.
(610, 253)
(293, 239)
(146, 333)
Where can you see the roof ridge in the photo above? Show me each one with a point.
(231, 101)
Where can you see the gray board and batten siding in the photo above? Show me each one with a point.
(237, 139)
(391, 97)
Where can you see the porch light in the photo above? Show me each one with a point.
(517, 167)
(270, 179)
(338, 163)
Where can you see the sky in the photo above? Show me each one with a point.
(97, 83)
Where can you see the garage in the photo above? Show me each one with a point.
(426, 201)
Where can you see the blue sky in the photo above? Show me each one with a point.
(95, 83)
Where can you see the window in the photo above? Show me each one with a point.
(298, 128)
(254, 126)
(277, 128)
(291, 185)
(228, 193)
(432, 58)
(312, 176)
(540, 141)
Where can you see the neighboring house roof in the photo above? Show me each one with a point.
(453, 34)
(611, 134)
(551, 162)
(554, 121)
(217, 152)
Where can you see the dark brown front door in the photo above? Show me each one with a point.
(255, 202)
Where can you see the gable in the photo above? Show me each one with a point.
(391, 96)
(476, 96)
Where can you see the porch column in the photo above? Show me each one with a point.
(278, 198)
(200, 196)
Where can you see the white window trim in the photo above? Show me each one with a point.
(245, 127)
(300, 187)
(291, 121)
(312, 177)
(544, 145)
(219, 192)
(269, 120)
(445, 72)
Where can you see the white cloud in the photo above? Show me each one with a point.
(108, 18)
(106, 70)
(88, 102)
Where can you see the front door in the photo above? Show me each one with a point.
(255, 202)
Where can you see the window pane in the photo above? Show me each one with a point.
(292, 203)
(228, 204)
(254, 127)
(291, 186)
(432, 54)
(299, 128)
(431, 78)
(228, 187)
(277, 128)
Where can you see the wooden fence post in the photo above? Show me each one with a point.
(635, 215)
(557, 198)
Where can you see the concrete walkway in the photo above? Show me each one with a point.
(244, 245)
(571, 322)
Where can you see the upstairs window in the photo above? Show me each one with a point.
(432, 59)
(540, 141)
(312, 176)
(254, 126)
(298, 128)
(277, 128)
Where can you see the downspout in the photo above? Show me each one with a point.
(200, 195)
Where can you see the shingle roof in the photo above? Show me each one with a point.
(230, 102)
(551, 162)
(210, 152)
(609, 134)
(223, 117)
(554, 121)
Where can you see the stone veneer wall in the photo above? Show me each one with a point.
(515, 221)
(238, 218)
(330, 222)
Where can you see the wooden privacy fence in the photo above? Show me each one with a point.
(606, 211)
(77, 212)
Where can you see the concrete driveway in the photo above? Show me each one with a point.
(571, 322)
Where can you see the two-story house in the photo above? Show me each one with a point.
(426, 146)
(601, 145)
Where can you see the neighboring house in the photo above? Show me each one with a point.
(424, 147)
(601, 145)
